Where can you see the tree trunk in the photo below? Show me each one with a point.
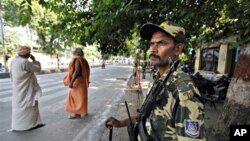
(236, 109)
(58, 61)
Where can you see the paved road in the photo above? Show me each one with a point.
(106, 88)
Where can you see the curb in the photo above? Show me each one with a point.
(133, 96)
(4, 75)
(45, 71)
(48, 71)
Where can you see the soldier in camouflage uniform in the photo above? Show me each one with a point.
(179, 113)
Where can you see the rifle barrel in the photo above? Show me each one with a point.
(128, 112)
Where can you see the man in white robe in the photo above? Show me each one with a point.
(26, 91)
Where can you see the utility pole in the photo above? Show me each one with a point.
(1, 23)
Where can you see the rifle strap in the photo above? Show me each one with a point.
(155, 135)
(153, 94)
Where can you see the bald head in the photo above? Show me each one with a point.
(78, 52)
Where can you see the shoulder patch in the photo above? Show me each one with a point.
(192, 128)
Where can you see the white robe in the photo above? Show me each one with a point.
(26, 92)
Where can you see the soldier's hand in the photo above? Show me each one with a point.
(111, 121)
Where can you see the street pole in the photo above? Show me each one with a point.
(1, 22)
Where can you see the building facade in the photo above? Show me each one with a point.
(217, 58)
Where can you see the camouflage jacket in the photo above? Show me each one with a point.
(188, 122)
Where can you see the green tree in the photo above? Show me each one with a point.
(86, 23)
(111, 23)
(31, 14)
(11, 41)
(91, 52)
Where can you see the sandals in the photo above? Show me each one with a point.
(84, 115)
(74, 116)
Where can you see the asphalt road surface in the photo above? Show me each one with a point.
(106, 88)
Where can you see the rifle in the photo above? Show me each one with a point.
(149, 104)
(110, 133)
(132, 133)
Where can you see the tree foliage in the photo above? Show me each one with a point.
(11, 41)
(31, 14)
(111, 23)
(16, 12)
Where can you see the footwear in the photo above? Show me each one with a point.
(74, 117)
(11, 130)
(84, 115)
(38, 126)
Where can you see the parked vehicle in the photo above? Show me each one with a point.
(216, 89)
(221, 87)
(187, 69)
(204, 85)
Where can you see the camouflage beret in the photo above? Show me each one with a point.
(175, 31)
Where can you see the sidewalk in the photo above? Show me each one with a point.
(134, 95)
(45, 71)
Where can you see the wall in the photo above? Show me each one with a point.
(197, 60)
(225, 55)
(223, 61)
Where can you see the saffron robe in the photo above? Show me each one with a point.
(77, 99)
(26, 92)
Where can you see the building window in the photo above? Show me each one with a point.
(209, 59)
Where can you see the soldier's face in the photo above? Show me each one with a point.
(162, 47)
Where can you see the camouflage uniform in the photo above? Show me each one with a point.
(188, 124)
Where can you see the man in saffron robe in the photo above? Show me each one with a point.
(78, 80)
(26, 91)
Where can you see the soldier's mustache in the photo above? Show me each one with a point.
(155, 56)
